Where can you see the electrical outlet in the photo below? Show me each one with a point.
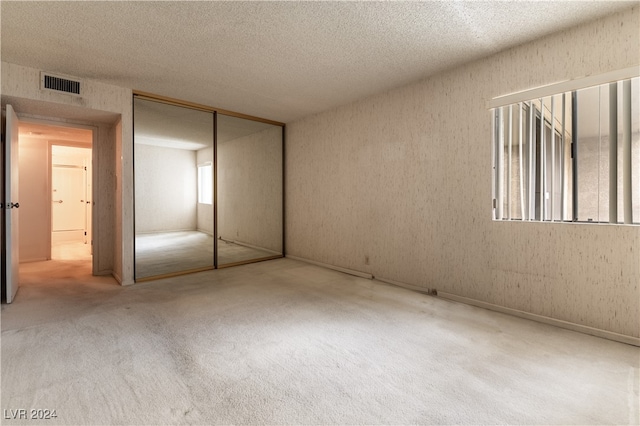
(366, 260)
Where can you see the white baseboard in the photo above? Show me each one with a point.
(430, 292)
(610, 335)
(630, 340)
(335, 268)
(241, 243)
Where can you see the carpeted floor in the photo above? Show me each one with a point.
(284, 342)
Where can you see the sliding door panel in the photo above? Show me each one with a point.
(173, 162)
(249, 190)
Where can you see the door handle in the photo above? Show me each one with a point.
(13, 205)
(57, 201)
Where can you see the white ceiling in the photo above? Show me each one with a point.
(276, 60)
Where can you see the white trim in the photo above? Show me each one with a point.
(240, 243)
(630, 340)
(564, 86)
(424, 290)
(610, 335)
(335, 268)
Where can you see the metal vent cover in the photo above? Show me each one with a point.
(60, 84)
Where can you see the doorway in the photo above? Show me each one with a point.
(37, 126)
(55, 179)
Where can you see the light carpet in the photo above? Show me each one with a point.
(284, 342)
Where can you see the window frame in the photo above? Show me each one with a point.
(508, 113)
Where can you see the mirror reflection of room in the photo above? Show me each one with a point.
(249, 157)
(173, 162)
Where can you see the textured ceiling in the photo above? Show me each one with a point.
(277, 60)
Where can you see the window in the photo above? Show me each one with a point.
(570, 155)
(205, 183)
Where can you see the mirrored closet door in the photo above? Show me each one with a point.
(249, 190)
(174, 195)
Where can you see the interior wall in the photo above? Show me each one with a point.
(104, 207)
(34, 199)
(399, 185)
(250, 189)
(166, 189)
(205, 211)
(99, 104)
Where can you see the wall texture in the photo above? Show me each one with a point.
(399, 185)
(250, 189)
(166, 189)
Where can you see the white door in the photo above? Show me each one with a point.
(11, 204)
(70, 194)
(68, 199)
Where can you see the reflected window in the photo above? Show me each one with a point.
(205, 183)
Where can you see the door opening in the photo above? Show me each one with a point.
(40, 126)
(55, 166)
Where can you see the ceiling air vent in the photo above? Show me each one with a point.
(60, 84)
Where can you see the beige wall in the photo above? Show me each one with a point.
(165, 189)
(399, 185)
(250, 189)
(109, 108)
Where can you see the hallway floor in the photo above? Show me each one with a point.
(285, 342)
(75, 250)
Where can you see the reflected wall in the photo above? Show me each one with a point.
(249, 185)
(173, 221)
